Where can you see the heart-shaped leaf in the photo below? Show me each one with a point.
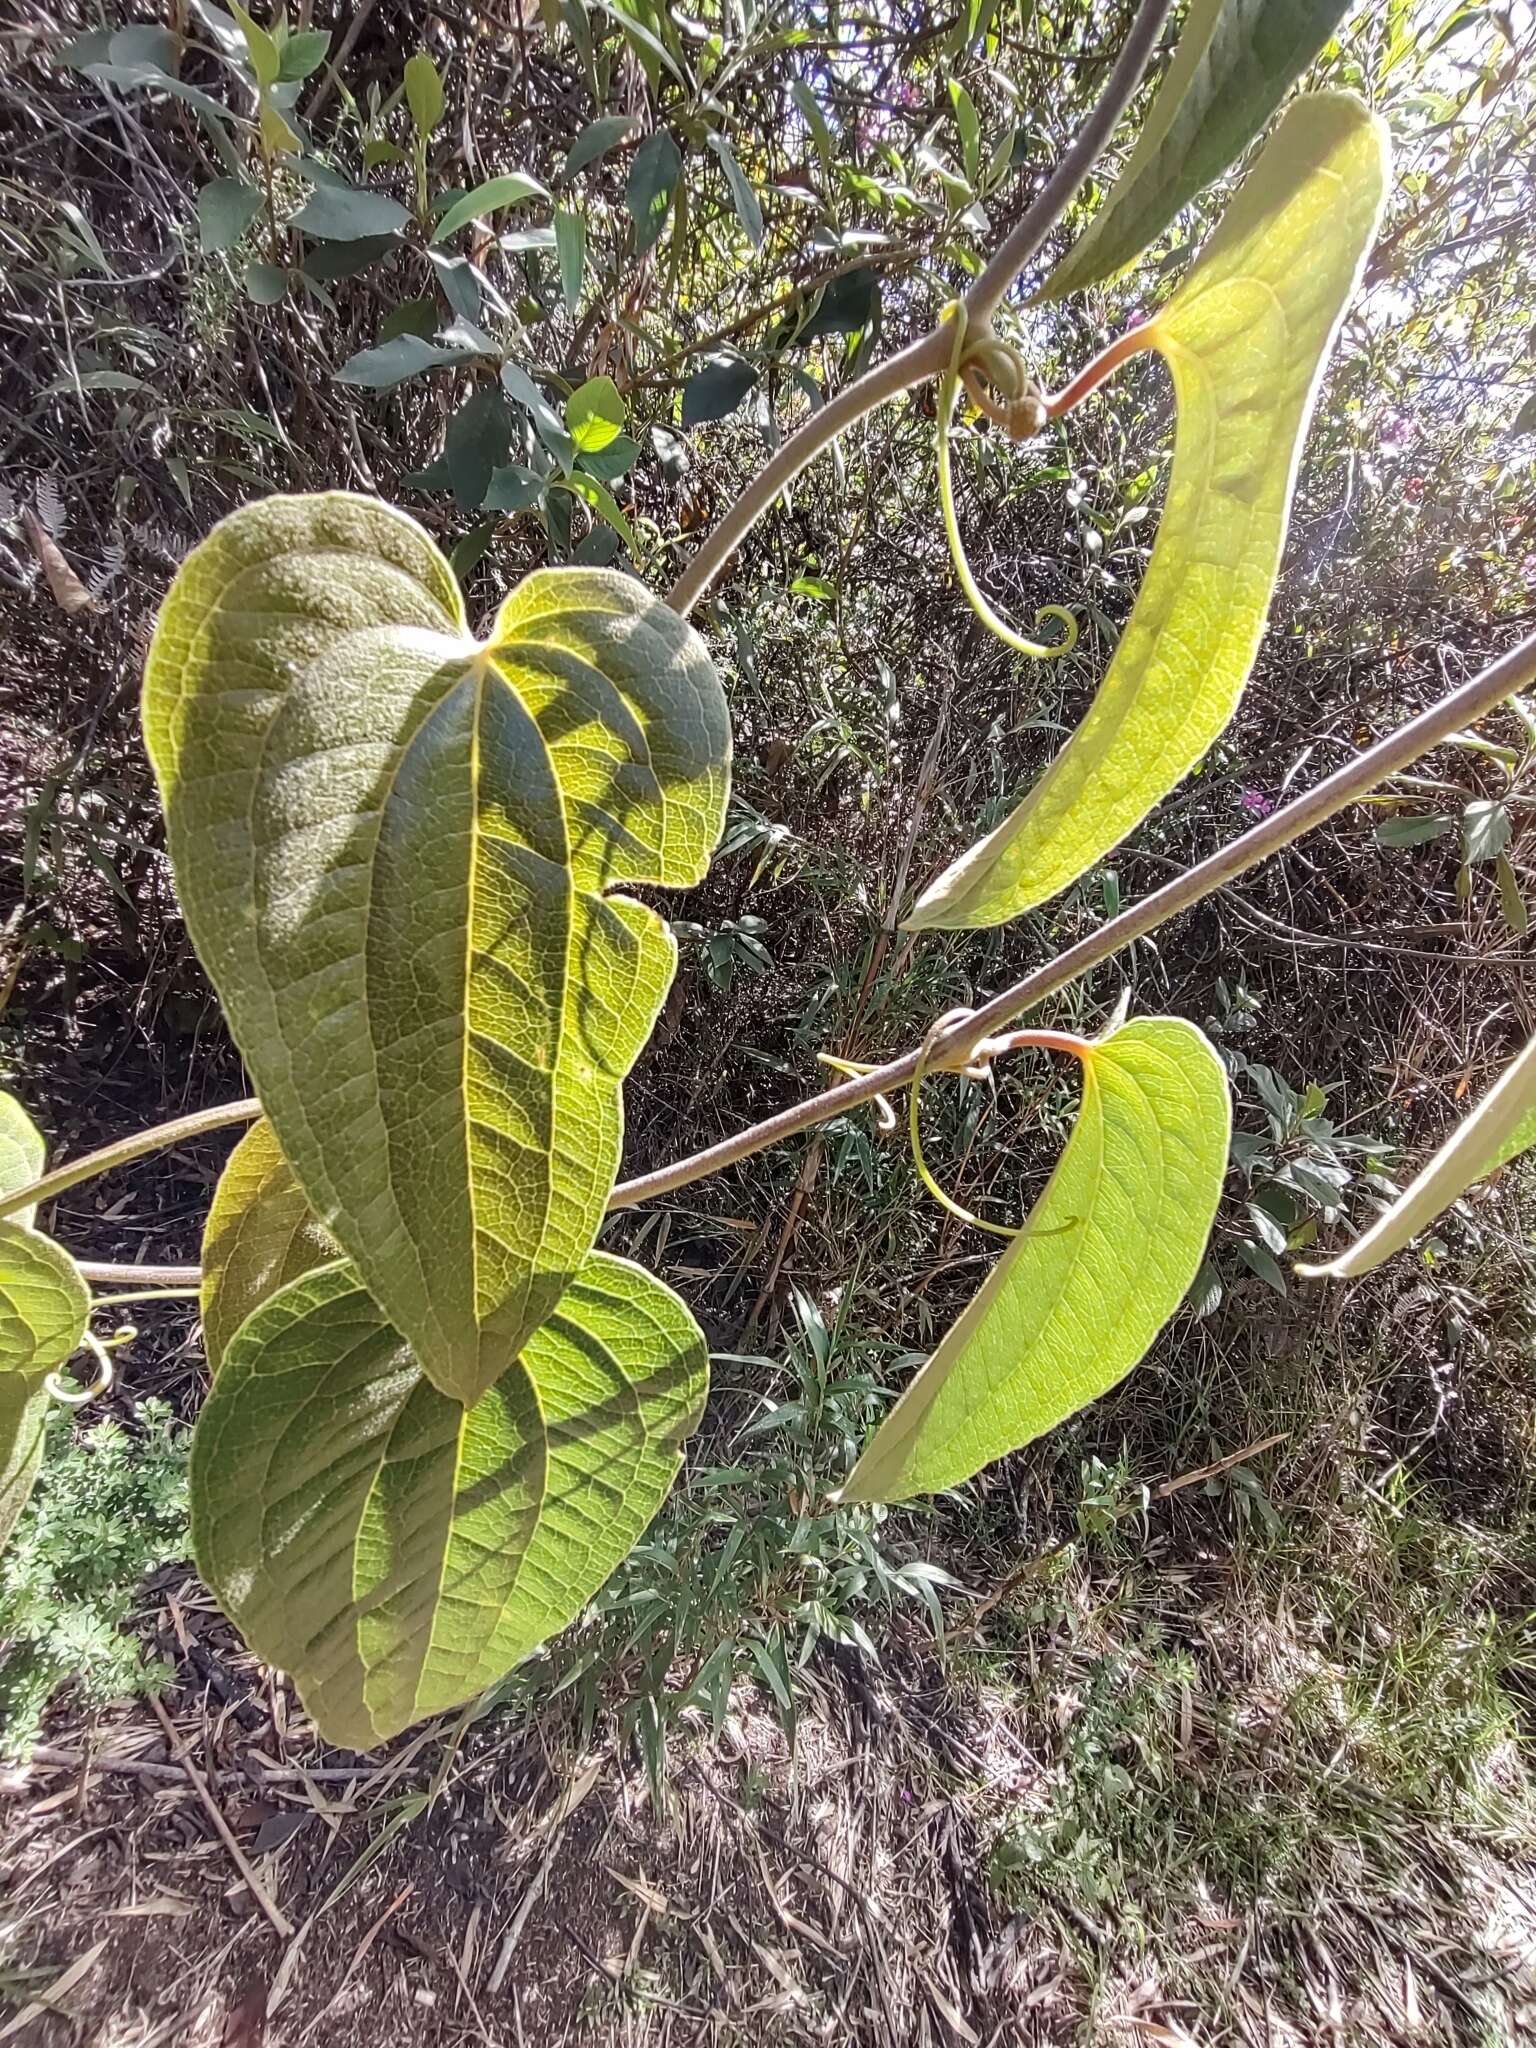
(1246, 337)
(260, 1234)
(1502, 1126)
(1107, 1255)
(595, 414)
(391, 842)
(1235, 62)
(398, 1552)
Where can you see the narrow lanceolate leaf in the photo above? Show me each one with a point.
(260, 1234)
(1235, 62)
(1105, 1258)
(1245, 337)
(1502, 1126)
(44, 1303)
(398, 1552)
(491, 197)
(392, 843)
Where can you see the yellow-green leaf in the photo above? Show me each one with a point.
(594, 412)
(22, 1153)
(392, 844)
(423, 93)
(1502, 1126)
(1245, 337)
(398, 1552)
(23, 1420)
(1235, 62)
(1106, 1256)
(261, 48)
(23, 1394)
(260, 1234)
(44, 1303)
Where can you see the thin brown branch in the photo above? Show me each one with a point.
(957, 1046)
(928, 356)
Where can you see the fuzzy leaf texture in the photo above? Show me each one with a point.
(1235, 62)
(398, 1552)
(392, 844)
(1502, 1126)
(1105, 1257)
(1246, 337)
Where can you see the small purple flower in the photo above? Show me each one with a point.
(1256, 803)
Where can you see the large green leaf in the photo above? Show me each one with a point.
(1245, 337)
(398, 1552)
(1235, 62)
(391, 843)
(1502, 1126)
(1104, 1259)
(260, 1234)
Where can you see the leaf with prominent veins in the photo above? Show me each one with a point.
(398, 1552)
(260, 1234)
(1104, 1259)
(391, 843)
(1502, 1126)
(1246, 337)
(44, 1303)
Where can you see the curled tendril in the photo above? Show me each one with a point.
(1018, 401)
(945, 1201)
(885, 1116)
(106, 1373)
(978, 1067)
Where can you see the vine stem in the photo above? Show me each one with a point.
(960, 1044)
(972, 1037)
(929, 356)
(119, 1154)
